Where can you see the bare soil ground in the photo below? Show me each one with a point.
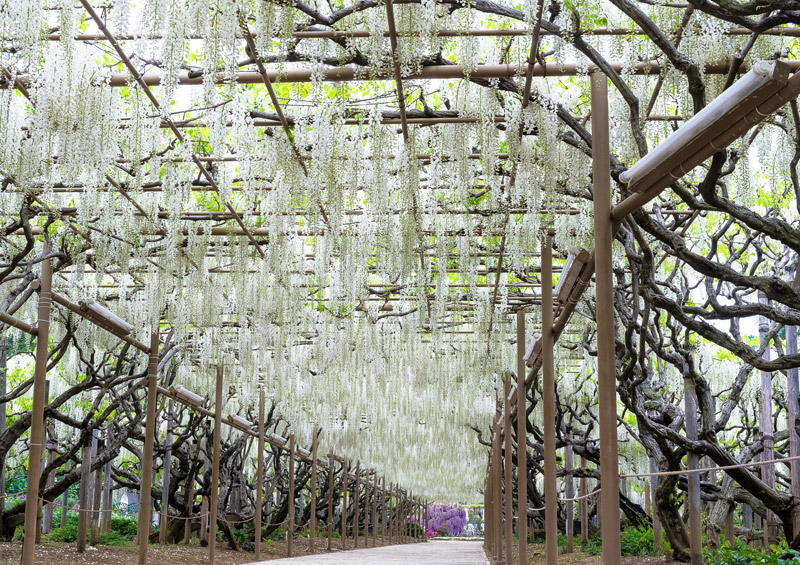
(56, 553)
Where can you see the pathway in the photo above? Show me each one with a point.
(430, 553)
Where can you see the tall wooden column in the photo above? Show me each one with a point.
(345, 480)
(290, 529)
(214, 504)
(549, 397)
(259, 475)
(767, 427)
(145, 516)
(164, 527)
(330, 501)
(497, 497)
(522, 443)
(85, 493)
(569, 493)
(693, 500)
(583, 504)
(508, 497)
(656, 521)
(312, 533)
(356, 496)
(793, 392)
(37, 415)
(105, 519)
(375, 510)
(97, 492)
(604, 293)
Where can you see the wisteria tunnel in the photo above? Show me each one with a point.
(399, 281)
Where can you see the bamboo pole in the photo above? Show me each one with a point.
(37, 413)
(312, 532)
(522, 444)
(474, 32)
(549, 400)
(214, 504)
(145, 517)
(349, 74)
(508, 496)
(291, 518)
(604, 291)
(259, 475)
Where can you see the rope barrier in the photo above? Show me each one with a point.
(706, 469)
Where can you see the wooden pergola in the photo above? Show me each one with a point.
(580, 269)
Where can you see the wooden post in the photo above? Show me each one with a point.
(39, 502)
(548, 399)
(730, 527)
(403, 516)
(658, 547)
(375, 510)
(290, 529)
(214, 504)
(345, 473)
(204, 520)
(312, 533)
(793, 392)
(583, 504)
(85, 493)
(487, 509)
(393, 513)
(330, 501)
(604, 292)
(427, 518)
(52, 453)
(508, 497)
(188, 496)
(569, 493)
(384, 510)
(3, 391)
(356, 496)
(522, 444)
(259, 475)
(497, 498)
(767, 429)
(165, 482)
(97, 492)
(37, 414)
(105, 518)
(65, 498)
(693, 500)
(145, 518)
